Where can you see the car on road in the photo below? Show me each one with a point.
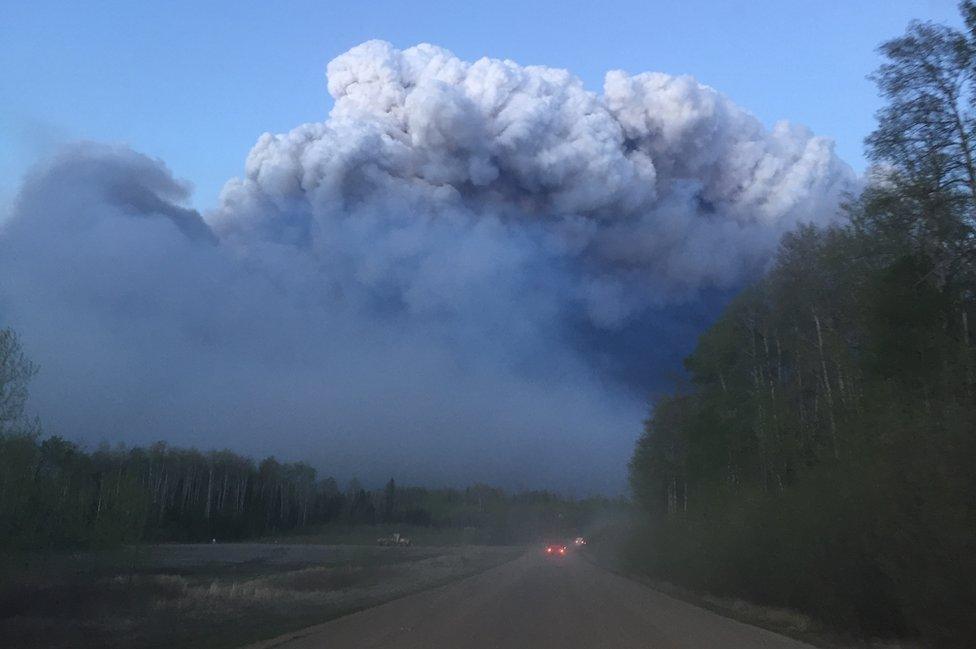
(556, 550)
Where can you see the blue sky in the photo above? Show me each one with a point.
(196, 83)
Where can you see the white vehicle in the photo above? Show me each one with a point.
(396, 539)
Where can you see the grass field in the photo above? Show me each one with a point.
(212, 595)
(340, 534)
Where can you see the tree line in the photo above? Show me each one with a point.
(821, 455)
(55, 495)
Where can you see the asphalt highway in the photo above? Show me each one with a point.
(536, 602)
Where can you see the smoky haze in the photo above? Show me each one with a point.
(468, 271)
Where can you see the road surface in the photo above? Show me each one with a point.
(536, 602)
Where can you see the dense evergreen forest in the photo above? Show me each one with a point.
(55, 495)
(822, 454)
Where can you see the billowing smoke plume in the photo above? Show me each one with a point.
(439, 282)
(642, 195)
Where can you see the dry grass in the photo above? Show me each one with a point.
(214, 596)
(784, 620)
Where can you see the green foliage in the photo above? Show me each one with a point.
(823, 458)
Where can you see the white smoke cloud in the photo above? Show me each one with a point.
(643, 195)
(442, 281)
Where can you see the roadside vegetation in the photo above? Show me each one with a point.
(821, 456)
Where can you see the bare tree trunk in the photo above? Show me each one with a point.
(163, 499)
(207, 508)
(826, 381)
(223, 494)
(98, 507)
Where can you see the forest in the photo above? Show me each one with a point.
(820, 454)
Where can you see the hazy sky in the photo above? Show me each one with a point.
(437, 266)
(195, 83)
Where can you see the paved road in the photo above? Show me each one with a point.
(536, 602)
